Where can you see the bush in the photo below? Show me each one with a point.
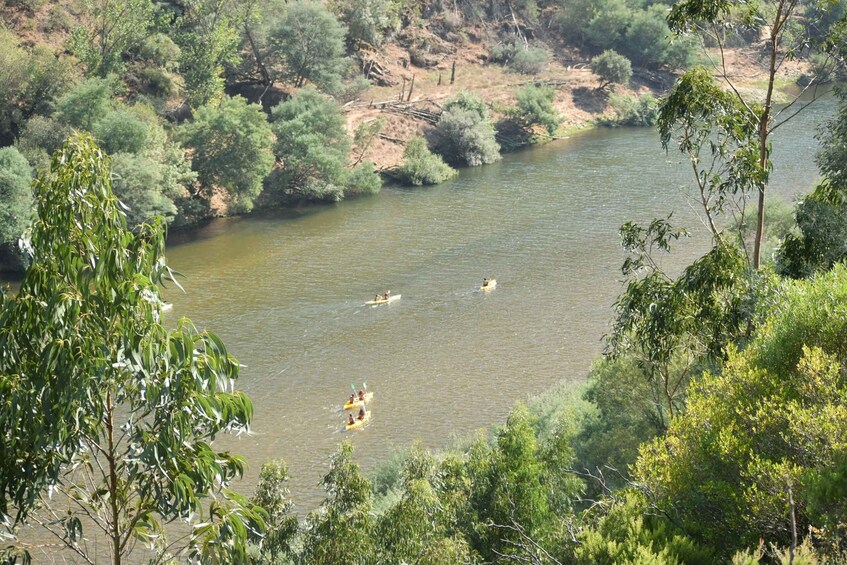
(363, 180)
(611, 68)
(121, 131)
(464, 134)
(368, 21)
(86, 104)
(529, 61)
(632, 110)
(232, 144)
(421, 166)
(40, 138)
(535, 107)
(312, 145)
(138, 182)
(15, 194)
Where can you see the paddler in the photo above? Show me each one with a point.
(350, 420)
(352, 399)
(387, 294)
(361, 413)
(361, 396)
(485, 281)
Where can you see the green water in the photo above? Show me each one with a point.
(286, 293)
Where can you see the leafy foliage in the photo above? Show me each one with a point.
(529, 60)
(121, 131)
(631, 110)
(730, 488)
(535, 107)
(272, 496)
(309, 42)
(611, 68)
(367, 21)
(15, 195)
(464, 133)
(86, 104)
(112, 410)
(231, 144)
(115, 29)
(139, 182)
(421, 166)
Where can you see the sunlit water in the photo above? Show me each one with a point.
(286, 292)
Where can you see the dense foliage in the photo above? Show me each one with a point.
(110, 409)
(422, 166)
(464, 133)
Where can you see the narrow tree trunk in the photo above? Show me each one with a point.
(113, 483)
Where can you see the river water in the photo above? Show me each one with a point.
(286, 293)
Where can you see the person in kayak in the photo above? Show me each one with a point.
(377, 297)
(362, 413)
(486, 281)
(387, 294)
(352, 399)
(361, 396)
(350, 420)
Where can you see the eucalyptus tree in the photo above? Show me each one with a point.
(107, 416)
(778, 22)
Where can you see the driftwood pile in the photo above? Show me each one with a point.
(415, 109)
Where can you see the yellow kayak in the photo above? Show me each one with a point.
(359, 423)
(357, 403)
(391, 298)
(492, 284)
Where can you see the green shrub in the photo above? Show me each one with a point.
(611, 68)
(15, 194)
(121, 131)
(464, 133)
(535, 107)
(421, 166)
(363, 180)
(160, 50)
(529, 60)
(86, 104)
(632, 110)
(40, 138)
(139, 183)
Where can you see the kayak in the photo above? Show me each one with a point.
(492, 284)
(357, 403)
(391, 298)
(359, 423)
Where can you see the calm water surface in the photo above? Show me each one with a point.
(286, 293)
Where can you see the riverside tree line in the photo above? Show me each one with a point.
(710, 431)
(215, 107)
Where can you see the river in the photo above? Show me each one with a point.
(286, 293)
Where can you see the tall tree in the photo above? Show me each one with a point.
(15, 195)
(779, 23)
(310, 43)
(231, 143)
(100, 402)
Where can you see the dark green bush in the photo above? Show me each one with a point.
(421, 166)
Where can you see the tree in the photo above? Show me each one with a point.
(121, 131)
(422, 166)
(100, 402)
(86, 104)
(785, 390)
(780, 22)
(111, 30)
(464, 133)
(207, 35)
(676, 327)
(231, 144)
(312, 145)
(535, 106)
(367, 20)
(310, 43)
(341, 530)
(138, 182)
(611, 68)
(272, 496)
(15, 195)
